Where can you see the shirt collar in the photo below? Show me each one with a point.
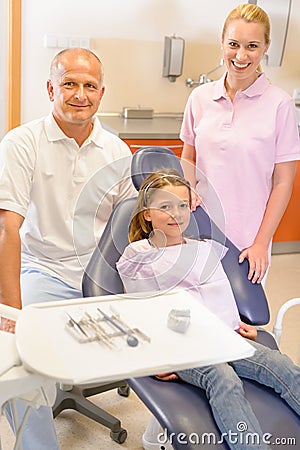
(257, 88)
(54, 132)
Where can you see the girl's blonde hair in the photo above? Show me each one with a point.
(250, 13)
(140, 228)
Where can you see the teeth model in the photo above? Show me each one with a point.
(179, 320)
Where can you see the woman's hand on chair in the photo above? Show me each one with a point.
(257, 256)
(196, 200)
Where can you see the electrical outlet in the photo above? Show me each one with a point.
(51, 41)
(63, 42)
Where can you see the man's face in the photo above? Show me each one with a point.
(75, 89)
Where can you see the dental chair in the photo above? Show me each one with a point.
(182, 409)
(76, 398)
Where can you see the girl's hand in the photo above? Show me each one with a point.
(247, 331)
(257, 256)
(167, 376)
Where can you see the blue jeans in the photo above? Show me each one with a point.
(37, 287)
(225, 392)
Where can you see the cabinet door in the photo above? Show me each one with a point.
(173, 144)
(289, 227)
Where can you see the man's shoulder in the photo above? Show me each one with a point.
(114, 143)
(27, 129)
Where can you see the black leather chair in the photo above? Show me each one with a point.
(180, 407)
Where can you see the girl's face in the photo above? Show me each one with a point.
(243, 48)
(169, 212)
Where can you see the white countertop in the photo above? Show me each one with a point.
(159, 127)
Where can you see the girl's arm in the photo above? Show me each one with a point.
(247, 331)
(257, 253)
(167, 376)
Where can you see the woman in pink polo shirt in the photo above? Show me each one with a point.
(241, 141)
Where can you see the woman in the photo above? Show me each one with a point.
(241, 141)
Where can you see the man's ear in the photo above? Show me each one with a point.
(50, 90)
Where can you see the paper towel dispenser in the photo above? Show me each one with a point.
(173, 57)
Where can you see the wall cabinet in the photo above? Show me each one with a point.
(174, 144)
(289, 227)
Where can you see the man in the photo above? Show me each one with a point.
(60, 178)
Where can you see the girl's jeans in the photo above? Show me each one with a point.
(225, 393)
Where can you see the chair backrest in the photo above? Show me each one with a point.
(149, 159)
(102, 278)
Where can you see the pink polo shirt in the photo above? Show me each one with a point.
(237, 145)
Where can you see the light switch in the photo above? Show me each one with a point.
(84, 42)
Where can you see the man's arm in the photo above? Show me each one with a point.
(10, 258)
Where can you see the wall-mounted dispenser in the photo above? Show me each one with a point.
(173, 57)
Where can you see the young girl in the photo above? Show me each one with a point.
(159, 257)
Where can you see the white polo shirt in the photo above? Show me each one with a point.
(65, 193)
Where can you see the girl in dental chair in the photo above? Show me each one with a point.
(160, 257)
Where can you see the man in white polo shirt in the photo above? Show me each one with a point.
(60, 178)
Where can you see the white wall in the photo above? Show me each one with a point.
(128, 36)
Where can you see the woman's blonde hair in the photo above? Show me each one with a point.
(140, 228)
(250, 13)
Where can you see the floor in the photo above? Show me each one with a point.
(76, 432)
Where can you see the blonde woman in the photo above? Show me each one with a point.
(241, 141)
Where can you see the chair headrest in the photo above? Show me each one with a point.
(150, 159)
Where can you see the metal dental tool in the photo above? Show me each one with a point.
(73, 323)
(117, 317)
(102, 336)
(132, 341)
